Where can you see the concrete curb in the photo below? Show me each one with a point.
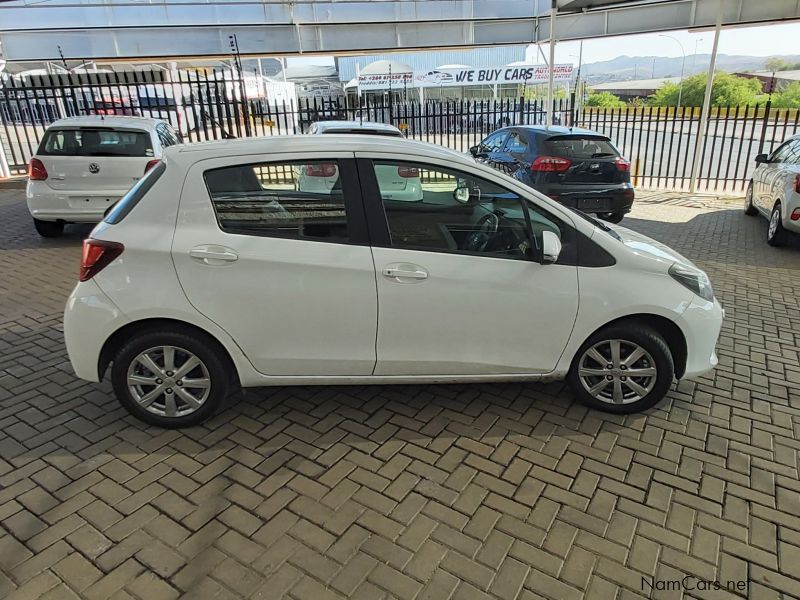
(13, 183)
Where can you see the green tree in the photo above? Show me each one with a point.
(604, 100)
(775, 63)
(727, 90)
(788, 98)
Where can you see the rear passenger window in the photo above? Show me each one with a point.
(301, 200)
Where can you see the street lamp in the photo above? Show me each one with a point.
(683, 63)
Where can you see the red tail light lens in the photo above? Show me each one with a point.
(550, 164)
(321, 170)
(797, 183)
(795, 216)
(622, 164)
(408, 171)
(36, 170)
(97, 254)
(151, 163)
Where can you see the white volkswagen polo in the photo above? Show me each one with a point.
(85, 164)
(216, 270)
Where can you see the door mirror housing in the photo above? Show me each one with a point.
(761, 158)
(551, 247)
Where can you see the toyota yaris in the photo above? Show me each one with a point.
(217, 270)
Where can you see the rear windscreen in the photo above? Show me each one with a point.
(575, 146)
(85, 141)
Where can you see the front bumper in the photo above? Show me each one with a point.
(701, 325)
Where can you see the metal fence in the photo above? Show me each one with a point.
(221, 104)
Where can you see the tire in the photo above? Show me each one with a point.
(651, 387)
(776, 234)
(48, 229)
(749, 209)
(213, 367)
(614, 217)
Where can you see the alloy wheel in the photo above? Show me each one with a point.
(617, 371)
(773, 223)
(168, 381)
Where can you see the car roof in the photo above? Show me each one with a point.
(326, 125)
(557, 130)
(108, 121)
(352, 142)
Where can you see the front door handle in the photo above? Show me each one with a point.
(214, 255)
(404, 272)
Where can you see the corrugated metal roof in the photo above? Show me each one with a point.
(494, 56)
(635, 84)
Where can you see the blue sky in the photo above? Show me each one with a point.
(753, 41)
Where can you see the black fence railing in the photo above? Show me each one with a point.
(660, 142)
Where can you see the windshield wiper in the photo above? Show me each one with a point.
(595, 222)
(602, 154)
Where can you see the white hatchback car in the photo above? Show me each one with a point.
(775, 191)
(397, 183)
(86, 164)
(215, 270)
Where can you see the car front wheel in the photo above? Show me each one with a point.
(48, 229)
(749, 207)
(170, 379)
(776, 234)
(622, 369)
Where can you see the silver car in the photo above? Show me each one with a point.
(775, 191)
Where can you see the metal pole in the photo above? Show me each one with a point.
(701, 131)
(683, 63)
(553, 10)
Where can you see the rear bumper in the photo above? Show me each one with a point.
(615, 199)
(47, 204)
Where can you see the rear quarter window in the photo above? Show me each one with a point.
(128, 202)
(581, 147)
(93, 141)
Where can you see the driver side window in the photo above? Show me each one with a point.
(780, 155)
(437, 209)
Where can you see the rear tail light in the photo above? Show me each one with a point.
(796, 182)
(622, 164)
(97, 254)
(408, 171)
(151, 163)
(795, 216)
(321, 170)
(550, 164)
(36, 170)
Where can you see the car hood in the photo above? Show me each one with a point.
(649, 248)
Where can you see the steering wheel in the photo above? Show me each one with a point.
(486, 227)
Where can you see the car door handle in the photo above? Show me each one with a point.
(406, 271)
(212, 255)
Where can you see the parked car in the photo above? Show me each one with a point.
(215, 271)
(580, 168)
(775, 191)
(86, 164)
(397, 183)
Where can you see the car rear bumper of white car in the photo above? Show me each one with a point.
(47, 204)
(89, 320)
(701, 324)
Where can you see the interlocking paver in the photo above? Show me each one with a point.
(474, 491)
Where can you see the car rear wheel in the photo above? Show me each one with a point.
(170, 379)
(776, 234)
(749, 207)
(612, 217)
(48, 229)
(622, 369)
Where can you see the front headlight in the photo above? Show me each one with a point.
(693, 279)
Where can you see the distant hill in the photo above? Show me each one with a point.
(624, 68)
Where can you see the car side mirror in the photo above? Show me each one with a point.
(551, 247)
(474, 150)
(761, 158)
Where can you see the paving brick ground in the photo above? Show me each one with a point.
(463, 491)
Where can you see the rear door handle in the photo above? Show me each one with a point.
(214, 255)
(404, 272)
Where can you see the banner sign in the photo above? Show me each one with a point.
(491, 76)
(385, 81)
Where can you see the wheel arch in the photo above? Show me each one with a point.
(668, 329)
(121, 335)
